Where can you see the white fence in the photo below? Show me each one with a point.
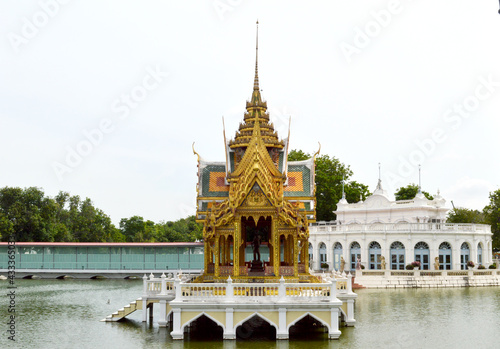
(182, 290)
(399, 227)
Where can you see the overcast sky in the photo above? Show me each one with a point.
(103, 99)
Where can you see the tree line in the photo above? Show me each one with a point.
(30, 215)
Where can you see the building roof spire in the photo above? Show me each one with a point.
(256, 80)
(419, 179)
(379, 183)
(256, 115)
(256, 98)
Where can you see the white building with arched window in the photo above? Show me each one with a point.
(383, 234)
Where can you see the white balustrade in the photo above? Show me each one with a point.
(399, 227)
(234, 291)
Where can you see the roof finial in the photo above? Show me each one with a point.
(419, 179)
(256, 81)
(379, 184)
(225, 144)
(343, 192)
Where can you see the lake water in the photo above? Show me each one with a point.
(66, 314)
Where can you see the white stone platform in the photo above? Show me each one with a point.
(427, 278)
(230, 304)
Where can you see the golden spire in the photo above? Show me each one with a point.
(256, 114)
(256, 80)
(256, 98)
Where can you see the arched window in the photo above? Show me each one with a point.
(310, 253)
(322, 253)
(464, 255)
(445, 256)
(355, 254)
(397, 256)
(374, 255)
(422, 255)
(337, 253)
(479, 253)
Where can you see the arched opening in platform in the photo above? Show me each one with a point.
(257, 328)
(204, 328)
(308, 328)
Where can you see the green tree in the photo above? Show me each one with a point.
(409, 192)
(492, 215)
(329, 174)
(465, 215)
(297, 155)
(184, 229)
(32, 215)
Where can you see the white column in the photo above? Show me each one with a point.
(144, 298)
(162, 322)
(334, 332)
(176, 332)
(350, 321)
(144, 285)
(144, 309)
(229, 330)
(282, 331)
(455, 256)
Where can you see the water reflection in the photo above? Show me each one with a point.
(66, 314)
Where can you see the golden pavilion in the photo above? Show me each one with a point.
(256, 201)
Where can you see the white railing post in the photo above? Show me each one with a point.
(177, 286)
(163, 290)
(144, 285)
(229, 290)
(349, 283)
(333, 290)
(281, 290)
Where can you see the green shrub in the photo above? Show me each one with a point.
(493, 266)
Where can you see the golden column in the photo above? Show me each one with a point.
(236, 249)
(217, 257)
